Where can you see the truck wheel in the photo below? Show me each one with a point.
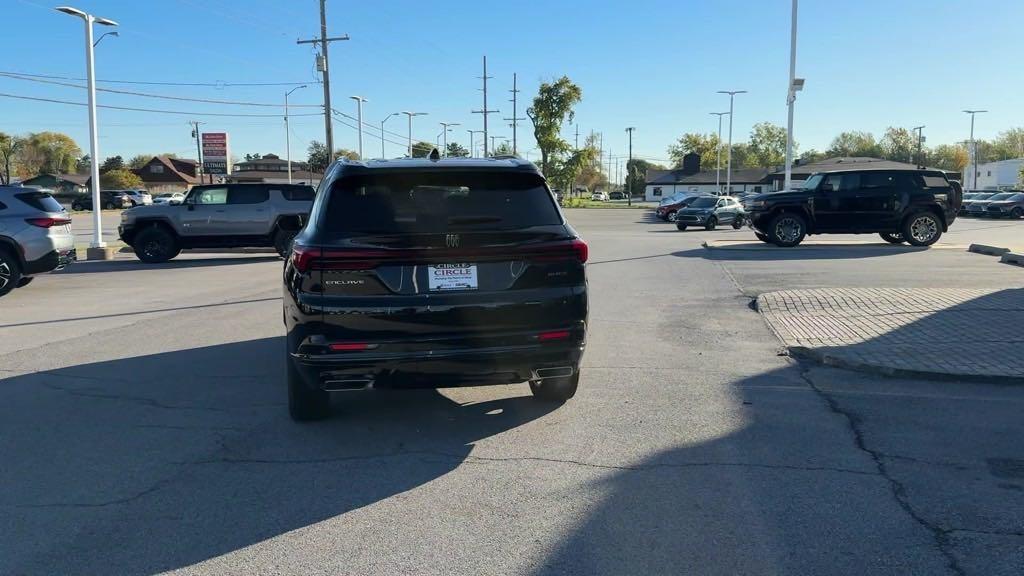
(283, 242)
(10, 272)
(1017, 213)
(922, 228)
(892, 237)
(555, 389)
(787, 229)
(712, 222)
(155, 244)
(763, 237)
(680, 226)
(304, 403)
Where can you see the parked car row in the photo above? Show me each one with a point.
(980, 204)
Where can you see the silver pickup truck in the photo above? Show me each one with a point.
(218, 216)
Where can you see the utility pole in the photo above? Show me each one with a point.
(920, 139)
(718, 166)
(728, 170)
(322, 65)
(410, 115)
(974, 148)
(199, 149)
(446, 125)
(514, 119)
(629, 192)
(359, 103)
(485, 111)
(287, 132)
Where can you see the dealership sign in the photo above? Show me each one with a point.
(216, 153)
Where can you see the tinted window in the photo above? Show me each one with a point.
(876, 180)
(904, 180)
(437, 202)
(299, 194)
(704, 202)
(837, 182)
(40, 201)
(248, 195)
(1016, 198)
(813, 181)
(1000, 196)
(934, 181)
(211, 196)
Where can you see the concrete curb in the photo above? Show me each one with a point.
(835, 361)
(1013, 258)
(987, 250)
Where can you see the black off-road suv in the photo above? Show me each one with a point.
(914, 206)
(433, 273)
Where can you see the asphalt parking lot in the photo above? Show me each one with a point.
(143, 423)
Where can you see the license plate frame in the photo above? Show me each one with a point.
(453, 277)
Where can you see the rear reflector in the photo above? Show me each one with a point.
(48, 222)
(349, 346)
(555, 335)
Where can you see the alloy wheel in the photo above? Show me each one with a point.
(923, 228)
(5, 274)
(154, 249)
(788, 229)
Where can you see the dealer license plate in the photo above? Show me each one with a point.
(446, 277)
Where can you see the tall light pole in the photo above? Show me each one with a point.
(795, 85)
(472, 147)
(718, 165)
(728, 169)
(920, 139)
(629, 192)
(287, 133)
(974, 147)
(359, 115)
(94, 166)
(410, 115)
(388, 117)
(447, 129)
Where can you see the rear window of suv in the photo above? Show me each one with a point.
(437, 202)
(40, 201)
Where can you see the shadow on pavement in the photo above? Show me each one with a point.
(142, 312)
(131, 265)
(758, 251)
(154, 463)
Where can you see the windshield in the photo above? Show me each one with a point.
(1018, 197)
(1002, 196)
(982, 196)
(704, 202)
(813, 182)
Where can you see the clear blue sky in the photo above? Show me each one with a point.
(650, 64)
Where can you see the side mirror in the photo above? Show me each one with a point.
(174, 202)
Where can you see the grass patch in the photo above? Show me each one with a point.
(587, 203)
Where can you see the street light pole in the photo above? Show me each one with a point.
(287, 132)
(728, 169)
(974, 147)
(718, 165)
(446, 125)
(472, 146)
(410, 115)
(629, 165)
(94, 166)
(382, 132)
(359, 114)
(920, 138)
(795, 85)
(493, 138)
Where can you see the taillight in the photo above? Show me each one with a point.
(574, 249)
(308, 258)
(303, 256)
(553, 335)
(48, 222)
(349, 346)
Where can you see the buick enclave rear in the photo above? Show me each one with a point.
(428, 273)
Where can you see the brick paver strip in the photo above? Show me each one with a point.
(936, 332)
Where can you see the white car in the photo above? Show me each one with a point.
(174, 198)
(599, 197)
(138, 197)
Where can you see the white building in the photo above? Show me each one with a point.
(1000, 175)
(664, 183)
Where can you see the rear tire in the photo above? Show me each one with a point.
(10, 272)
(108, 206)
(304, 403)
(283, 241)
(712, 222)
(680, 226)
(738, 222)
(787, 229)
(892, 237)
(922, 228)
(155, 244)
(555, 389)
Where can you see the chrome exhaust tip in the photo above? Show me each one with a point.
(558, 372)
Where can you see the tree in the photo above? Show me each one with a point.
(83, 165)
(138, 161)
(422, 149)
(636, 174)
(1020, 176)
(1009, 144)
(947, 157)
(503, 149)
(456, 150)
(251, 157)
(811, 155)
(9, 146)
(553, 106)
(579, 168)
(768, 145)
(112, 163)
(898, 145)
(854, 144)
(48, 152)
(704, 144)
(120, 179)
(318, 160)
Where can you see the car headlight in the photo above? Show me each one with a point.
(124, 217)
(753, 204)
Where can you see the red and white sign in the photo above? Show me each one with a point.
(216, 153)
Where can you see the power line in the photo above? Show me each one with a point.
(155, 111)
(160, 96)
(153, 83)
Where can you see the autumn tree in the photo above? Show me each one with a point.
(318, 160)
(767, 145)
(898, 145)
(947, 157)
(48, 152)
(706, 145)
(854, 144)
(120, 179)
(9, 146)
(112, 163)
(636, 174)
(553, 106)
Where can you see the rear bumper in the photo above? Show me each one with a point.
(437, 368)
(55, 260)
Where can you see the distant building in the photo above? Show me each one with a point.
(66, 184)
(162, 175)
(1004, 174)
(271, 169)
(690, 178)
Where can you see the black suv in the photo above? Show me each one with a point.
(915, 206)
(433, 273)
(109, 200)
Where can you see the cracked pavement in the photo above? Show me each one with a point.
(149, 435)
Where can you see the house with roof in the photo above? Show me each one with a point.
(690, 178)
(271, 169)
(65, 184)
(162, 174)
